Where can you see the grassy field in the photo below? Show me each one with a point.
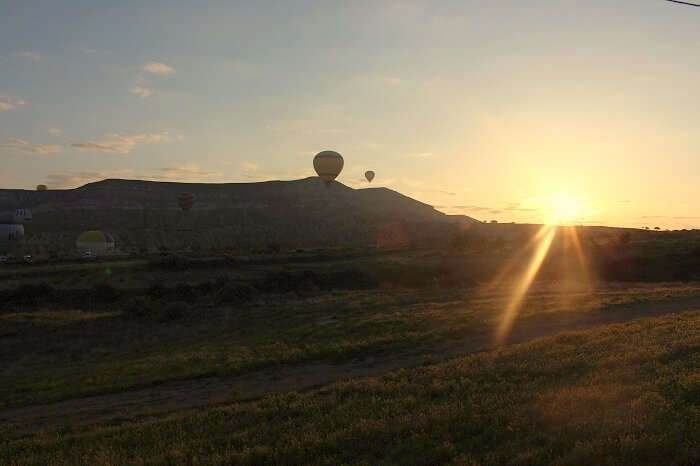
(49, 355)
(620, 394)
(217, 360)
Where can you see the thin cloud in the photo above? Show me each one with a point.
(141, 92)
(54, 131)
(121, 144)
(20, 145)
(10, 103)
(419, 155)
(186, 173)
(250, 167)
(87, 50)
(475, 208)
(74, 180)
(158, 68)
(29, 55)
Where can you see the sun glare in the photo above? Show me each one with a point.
(565, 209)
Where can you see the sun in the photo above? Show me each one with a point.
(565, 208)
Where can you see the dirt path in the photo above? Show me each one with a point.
(199, 392)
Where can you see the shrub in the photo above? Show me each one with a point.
(140, 307)
(31, 294)
(104, 292)
(173, 311)
(156, 290)
(185, 292)
(235, 293)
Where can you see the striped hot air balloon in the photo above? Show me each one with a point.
(23, 216)
(10, 235)
(95, 241)
(369, 174)
(328, 164)
(185, 201)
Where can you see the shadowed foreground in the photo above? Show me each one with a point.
(622, 394)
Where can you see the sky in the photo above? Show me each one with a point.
(510, 110)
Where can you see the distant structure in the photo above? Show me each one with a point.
(41, 187)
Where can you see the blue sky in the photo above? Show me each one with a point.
(502, 109)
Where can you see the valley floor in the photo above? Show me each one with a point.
(370, 376)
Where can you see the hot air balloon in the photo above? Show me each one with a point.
(94, 241)
(10, 235)
(328, 164)
(41, 187)
(185, 201)
(23, 216)
(369, 174)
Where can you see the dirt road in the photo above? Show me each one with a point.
(200, 392)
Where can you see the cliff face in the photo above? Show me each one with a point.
(300, 213)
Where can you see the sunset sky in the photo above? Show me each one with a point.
(502, 110)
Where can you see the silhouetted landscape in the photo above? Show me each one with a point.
(397, 232)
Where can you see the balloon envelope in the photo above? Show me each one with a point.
(328, 165)
(95, 241)
(185, 201)
(369, 174)
(23, 216)
(10, 234)
(41, 187)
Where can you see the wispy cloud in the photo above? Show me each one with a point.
(54, 131)
(121, 144)
(141, 92)
(74, 180)
(10, 103)
(420, 155)
(20, 145)
(516, 206)
(87, 50)
(158, 68)
(250, 167)
(186, 173)
(29, 55)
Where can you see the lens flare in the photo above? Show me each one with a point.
(545, 237)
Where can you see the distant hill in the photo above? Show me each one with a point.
(298, 213)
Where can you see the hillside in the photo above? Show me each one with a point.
(298, 213)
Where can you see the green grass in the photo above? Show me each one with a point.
(44, 362)
(621, 394)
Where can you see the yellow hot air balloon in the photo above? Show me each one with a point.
(369, 174)
(328, 164)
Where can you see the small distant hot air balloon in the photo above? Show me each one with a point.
(185, 201)
(41, 187)
(94, 241)
(22, 216)
(328, 164)
(369, 174)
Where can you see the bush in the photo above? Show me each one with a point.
(156, 290)
(104, 292)
(173, 311)
(140, 307)
(235, 293)
(170, 262)
(185, 292)
(31, 294)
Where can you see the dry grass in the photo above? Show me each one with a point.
(621, 394)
